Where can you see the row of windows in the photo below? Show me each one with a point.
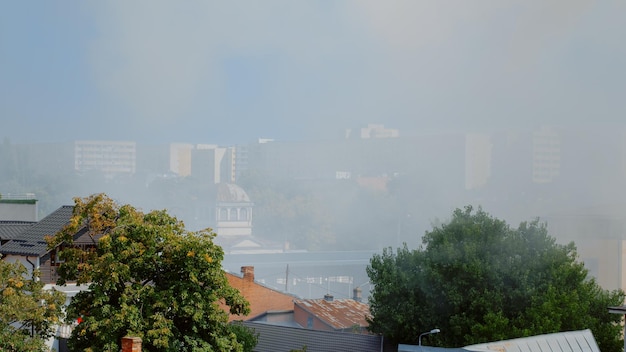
(234, 214)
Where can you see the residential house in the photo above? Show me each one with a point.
(28, 244)
(280, 338)
(331, 314)
(274, 338)
(12, 229)
(261, 298)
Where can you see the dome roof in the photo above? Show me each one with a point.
(231, 193)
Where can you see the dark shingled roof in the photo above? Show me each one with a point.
(12, 229)
(32, 241)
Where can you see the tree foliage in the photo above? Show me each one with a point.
(147, 277)
(479, 280)
(28, 313)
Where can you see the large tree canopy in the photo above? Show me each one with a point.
(478, 280)
(28, 313)
(147, 277)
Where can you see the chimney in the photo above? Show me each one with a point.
(131, 344)
(328, 297)
(248, 273)
(356, 294)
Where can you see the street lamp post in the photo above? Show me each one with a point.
(433, 331)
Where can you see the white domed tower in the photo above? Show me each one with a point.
(233, 211)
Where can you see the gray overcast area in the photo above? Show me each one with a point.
(231, 72)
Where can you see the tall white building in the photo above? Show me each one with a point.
(478, 148)
(546, 155)
(206, 161)
(213, 163)
(180, 158)
(111, 158)
(374, 131)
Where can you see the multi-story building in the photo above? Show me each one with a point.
(241, 160)
(374, 131)
(213, 163)
(478, 149)
(546, 155)
(180, 158)
(111, 158)
(599, 234)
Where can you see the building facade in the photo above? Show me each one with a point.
(111, 158)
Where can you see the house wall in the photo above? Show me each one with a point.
(308, 320)
(21, 259)
(48, 272)
(48, 269)
(281, 338)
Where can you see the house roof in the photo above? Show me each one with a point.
(416, 348)
(12, 229)
(284, 338)
(569, 341)
(337, 313)
(31, 241)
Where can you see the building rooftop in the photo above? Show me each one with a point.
(231, 193)
(568, 341)
(338, 313)
(12, 229)
(18, 198)
(31, 241)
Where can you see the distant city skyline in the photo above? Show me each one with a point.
(228, 73)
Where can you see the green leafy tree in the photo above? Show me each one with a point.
(148, 277)
(479, 280)
(28, 313)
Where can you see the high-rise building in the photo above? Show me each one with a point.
(374, 131)
(477, 160)
(546, 155)
(213, 163)
(180, 158)
(111, 158)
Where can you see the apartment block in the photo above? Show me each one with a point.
(478, 148)
(546, 155)
(112, 158)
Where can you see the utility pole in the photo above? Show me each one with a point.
(287, 279)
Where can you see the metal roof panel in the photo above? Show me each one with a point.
(338, 313)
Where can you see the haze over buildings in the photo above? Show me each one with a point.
(399, 110)
(226, 73)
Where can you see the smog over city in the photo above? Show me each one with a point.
(345, 125)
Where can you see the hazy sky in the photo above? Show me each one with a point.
(232, 71)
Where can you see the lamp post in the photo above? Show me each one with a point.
(433, 331)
